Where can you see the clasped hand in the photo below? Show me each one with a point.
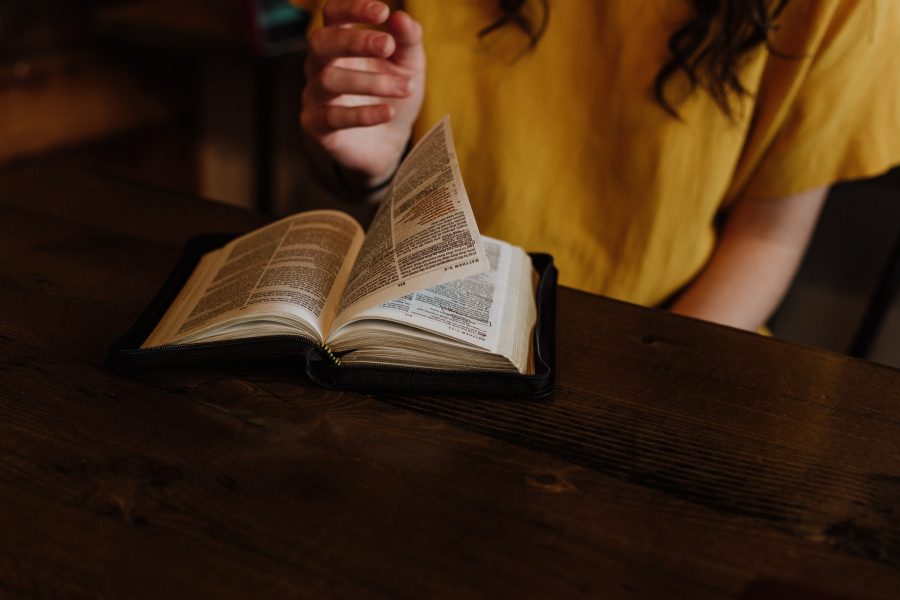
(364, 87)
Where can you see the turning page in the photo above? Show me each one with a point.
(424, 233)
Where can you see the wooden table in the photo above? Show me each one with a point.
(677, 458)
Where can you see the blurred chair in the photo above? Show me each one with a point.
(256, 33)
(882, 300)
(845, 297)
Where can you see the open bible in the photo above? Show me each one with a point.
(421, 288)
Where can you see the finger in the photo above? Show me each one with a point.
(335, 42)
(328, 119)
(333, 81)
(343, 12)
(407, 34)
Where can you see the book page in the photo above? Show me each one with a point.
(272, 280)
(424, 233)
(493, 311)
(466, 309)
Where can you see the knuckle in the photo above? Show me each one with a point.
(327, 79)
(309, 67)
(334, 9)
(316, 41)
(330, 117)
(345, 10)
(307, 122)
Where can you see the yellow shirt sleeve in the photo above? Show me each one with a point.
(828, 105)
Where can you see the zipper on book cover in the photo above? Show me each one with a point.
(326, 349)
(328, 352)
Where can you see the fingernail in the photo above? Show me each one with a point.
(375, 9)
(380, 43)
(404, 86)
(382, 113)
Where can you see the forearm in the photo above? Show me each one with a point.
(754, 262)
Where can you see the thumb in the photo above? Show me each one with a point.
(407, 33)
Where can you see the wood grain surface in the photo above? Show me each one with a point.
(677, 458)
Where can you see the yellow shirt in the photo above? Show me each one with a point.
(564, 150)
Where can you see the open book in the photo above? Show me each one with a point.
(421, 288)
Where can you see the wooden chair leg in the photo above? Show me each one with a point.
(879, 305)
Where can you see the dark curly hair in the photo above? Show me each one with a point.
(708, 48)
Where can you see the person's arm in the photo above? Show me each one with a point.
(364, 89)
(754, 262)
